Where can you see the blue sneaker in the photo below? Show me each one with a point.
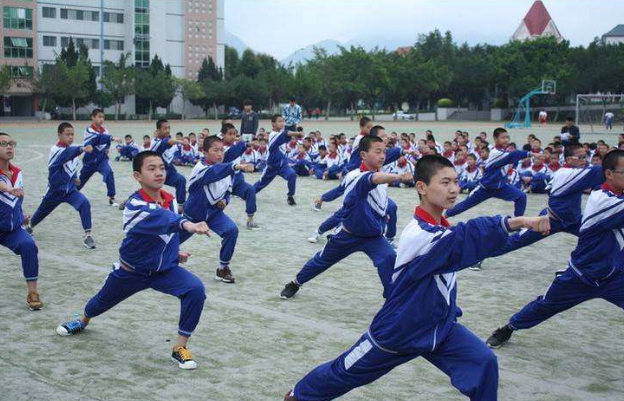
(70, 328)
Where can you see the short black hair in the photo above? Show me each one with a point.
(471, 155)
(274, 117)
(322, 147)
(128, 136)
(375, 130)
(569, 118)
(364, 121)
(226, 127)
(487, 149)
(430, 137)
(192, 134)
(610, 161)
(526, 147)
(209, 141)
(147, 137)
(367, 142)
(247, 102)
(180, 133)
(137, 162)
(428, 166)
(95, 112)
(293, 99)
(569, 150)
(4, 134)
(63, 126)
(160, 122)
(448, 143)
(498, 131)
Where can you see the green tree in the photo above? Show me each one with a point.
(5, 79)
(231, 63)
(119, 80)
(189, 90)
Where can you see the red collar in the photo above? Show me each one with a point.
(186, 147)
(364, 168)
(166, 197)
(471, 169)
(14, 170)
(61, 144)
(607, 187)
(537, 168)
(426, 217)
(448, 153)
(100, 130)
(460, 162)
(333, 155)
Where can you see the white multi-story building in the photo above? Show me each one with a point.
(181, 32)
(614, 36)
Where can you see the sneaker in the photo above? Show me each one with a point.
(112, 203)
(88, 242)
(317, 206)
(290, 290)
(290, 396)
(182, 356)
(314, 238)
(499, 337)
(252, 225)
(225, 274)
(70, 328)
(475, 268)
(117, 158)
(122, 205)
(28, 229)
(33, 301)
(291, 201)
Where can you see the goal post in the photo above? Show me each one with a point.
(592, 107)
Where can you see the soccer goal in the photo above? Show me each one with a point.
(593, 110)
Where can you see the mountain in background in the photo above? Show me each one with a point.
(234, 41)
(307, 53)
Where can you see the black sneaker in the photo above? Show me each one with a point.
(290, 290)
(88, 242)
(224, 274)
(499, 337)
(182, 356)
(112, 203)
(291, 201)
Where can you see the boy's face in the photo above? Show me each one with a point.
(503, 140)
(375, 157)
(483, 136)
(442, 190)
(459, 155)
(538, 162)
(332, 148)
(146, 141)
(152, 175)
(471, 161)
(128, 141)
(192, 137)
(615, 178)
(230, 136)
(98, 119)
(66, 137)
(322, 152)
(165, 130)
(484, 154)
(7, 147)
(186, 142)
(179, 136)
(248, 108)
(366, 129)
(596, 161)
(205, 132)
(214, 155)
(278, 125)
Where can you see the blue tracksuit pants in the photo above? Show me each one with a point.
(471, 365)
(53, 199)
(177, 181)
(333, 193)
(284, 171)
(506, 192)
(176, 281)
(245, 191)
(104, 168)
(22, 244)
(222, 224)
(335, 219)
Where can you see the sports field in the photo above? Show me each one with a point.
(250, 344)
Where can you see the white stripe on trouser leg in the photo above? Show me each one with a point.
(357, 353)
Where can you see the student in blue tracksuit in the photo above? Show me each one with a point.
(210, 186)
(149, 257)
(233, 154)
(163, 144)
(12, 235)
(277, 161)
(493, 183)
(97, 136)
(596, 266)
(419, 317)
(62, 170)
(364, 211)
(564, 202)
(128, 150)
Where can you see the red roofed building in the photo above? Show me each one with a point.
(536, 24)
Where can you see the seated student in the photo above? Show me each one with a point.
(470, 176)
(363, 215)
(251, 156)
(553, 164)
(460, 162)
(320, 164)
(187, 156)
(537, 177)
(193, 142)
(448, 151)
(12, 235)
(210, 187)
(301, 162)
(334, 163)
(128, 150)
(179, 136)
(484, 155)
(292, 148)
(513, 177)
(402, 167)
(149, 257)
(419, 316)
(263, 153)
(62, 181)
(147, 143)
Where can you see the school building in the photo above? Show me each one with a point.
(181, 32)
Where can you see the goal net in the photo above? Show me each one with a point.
(593, 110)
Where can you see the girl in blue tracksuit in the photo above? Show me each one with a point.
(596, 265)
(210, 187)
(419, 317)
(149, 257)
(493, 183)
(62, 170)
(364, 211)
(12, 235)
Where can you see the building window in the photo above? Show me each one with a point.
(18, 47)
(88, 42)
(21, 72)
(113, 44)
(114, 17)
(49, 41)
(17, 18)
(49, 12)
(141, 33)
(80, 15)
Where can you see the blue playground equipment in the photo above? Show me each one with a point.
(524, 107)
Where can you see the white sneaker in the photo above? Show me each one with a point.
(112, 203)
(314, 239)
(317, 207)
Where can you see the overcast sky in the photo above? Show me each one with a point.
(279, 27)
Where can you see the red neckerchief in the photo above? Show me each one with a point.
(526, 163)
(447, 153)
(249, 151)
(61, 144)
(426, 217)
(460, 162)
(538, 150)
(364, 168)
(149, 145)
(186, 147)
(301, 155)
(333, 155)
(554, 166)
(402, 162)
(15, 170)
(262, 149)
(500, 147)
(100, 130)
(533, 167)
(607, 187)
(471, 169)
(166, 197)
(193, 143)
(510, 170)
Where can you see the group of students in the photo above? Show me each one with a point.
(419, 316)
